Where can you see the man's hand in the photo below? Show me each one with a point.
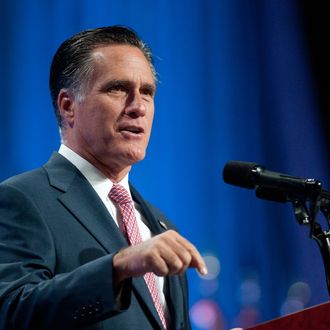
(165, 254)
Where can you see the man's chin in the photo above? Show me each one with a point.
(135, 156)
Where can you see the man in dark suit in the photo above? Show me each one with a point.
(68, 259)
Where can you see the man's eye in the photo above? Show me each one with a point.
(116, 88)
(147, 92)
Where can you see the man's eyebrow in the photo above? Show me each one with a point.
(128, 83)
(117, 82)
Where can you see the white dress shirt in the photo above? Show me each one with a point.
(102, 186)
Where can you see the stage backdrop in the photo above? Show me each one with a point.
(236, 82)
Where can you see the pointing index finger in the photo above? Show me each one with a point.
(197, 260)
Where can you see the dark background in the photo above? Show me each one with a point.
(317, 30)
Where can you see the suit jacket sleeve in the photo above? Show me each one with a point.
(32, 296)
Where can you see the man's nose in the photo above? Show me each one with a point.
(136, 106)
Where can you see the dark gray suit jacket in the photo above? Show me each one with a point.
(57, 241)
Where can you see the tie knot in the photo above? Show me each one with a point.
(119, 194)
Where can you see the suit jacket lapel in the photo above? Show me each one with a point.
(139, 283)
(78, 196)
(174, 296)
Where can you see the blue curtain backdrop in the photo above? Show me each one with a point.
(235, 83)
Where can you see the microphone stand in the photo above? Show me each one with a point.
(307, 216)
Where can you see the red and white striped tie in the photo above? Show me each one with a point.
(130, 227)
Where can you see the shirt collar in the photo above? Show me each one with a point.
(101, 184)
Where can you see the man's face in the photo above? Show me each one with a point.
(112, 123)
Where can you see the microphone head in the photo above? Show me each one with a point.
(240, 174)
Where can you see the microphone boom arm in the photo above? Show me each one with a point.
(307, 216)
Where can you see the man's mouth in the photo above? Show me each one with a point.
(132, 130)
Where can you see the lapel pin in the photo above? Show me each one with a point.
(163, 224)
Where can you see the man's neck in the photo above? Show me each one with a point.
(113, 171)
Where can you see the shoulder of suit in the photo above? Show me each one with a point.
(33, 175)
(24, 179)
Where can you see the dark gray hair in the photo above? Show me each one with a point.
(72, 64)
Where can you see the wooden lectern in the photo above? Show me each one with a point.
(313, 318)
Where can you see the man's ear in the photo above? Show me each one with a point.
(65, 101)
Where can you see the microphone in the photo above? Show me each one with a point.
(281, 187)
(270, 185)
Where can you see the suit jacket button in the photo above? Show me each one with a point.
(90, 310)
(83, 311)
(76, 314)
(97, 306)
